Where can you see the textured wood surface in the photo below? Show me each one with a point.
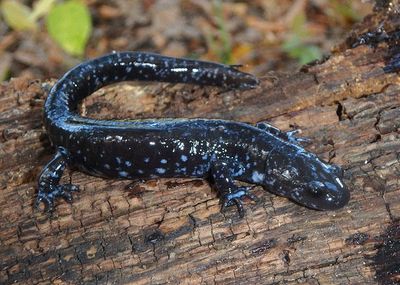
(171, 230)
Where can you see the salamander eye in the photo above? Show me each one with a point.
(315, 187)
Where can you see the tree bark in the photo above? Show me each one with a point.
(171, 230)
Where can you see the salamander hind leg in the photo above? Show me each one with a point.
(289, 136)
(223, 174)
(48, 187)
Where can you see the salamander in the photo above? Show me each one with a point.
(224, 152)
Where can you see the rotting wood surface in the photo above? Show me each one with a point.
(171, 230)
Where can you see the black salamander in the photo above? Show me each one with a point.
(219, 150)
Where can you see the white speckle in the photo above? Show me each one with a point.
(160, 170)
(118, 138)
(152, 143)
(339, 182)
(286, 174)
(181, 145)
(128, 163)
(325, 166)
(179, 69)
(146, 159)
(257, 176)
(184, 157)
(107, 166)
(123, 173)
(140, 171)
(193, 148)
(118, 159)
(163, 161)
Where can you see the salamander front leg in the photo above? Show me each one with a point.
(230, 194)
(49, 188)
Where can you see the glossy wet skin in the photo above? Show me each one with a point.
(222, 151)
(304, 178)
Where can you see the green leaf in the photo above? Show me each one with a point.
(346, 11)
(304, 53)
(41, 8)
(309, 53)
(17, 15)
(70, 25)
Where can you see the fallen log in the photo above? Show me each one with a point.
(172, 230)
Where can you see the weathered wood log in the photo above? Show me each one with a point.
(171, 230)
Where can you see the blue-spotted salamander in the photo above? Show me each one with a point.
(222, 151)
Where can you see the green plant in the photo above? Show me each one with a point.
(344, 10)
(220, 42)
(68, 23)
(296, 45)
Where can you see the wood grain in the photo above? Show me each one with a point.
(171, 230)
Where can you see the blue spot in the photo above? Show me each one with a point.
(146, 159)
(239, 172)
(184, 157)
(140, 171)
(128, 163)
(257, 176)
(118, 159)
(163, 161)
(160, 170)
(123, 173)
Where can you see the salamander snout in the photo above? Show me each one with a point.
(321, 185)
(326, 195)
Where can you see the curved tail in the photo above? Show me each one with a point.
(89, 76)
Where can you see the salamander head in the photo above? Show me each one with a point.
(309, 181)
